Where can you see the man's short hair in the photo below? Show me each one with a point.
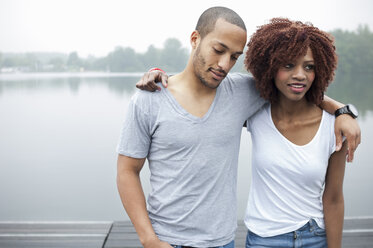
(206, 22)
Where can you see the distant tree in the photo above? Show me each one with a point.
(31, 61)
(173, 56)
(74, 63)
(150, 58)
(355, 50)
(124, 60)
(9, 62)
(99, 64)
(58, 64)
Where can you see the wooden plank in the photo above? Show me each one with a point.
(358, 223)
(52, 242)
(357, 233)
(55, 227)
(54, 234)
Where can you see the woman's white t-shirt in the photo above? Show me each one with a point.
(287, 179)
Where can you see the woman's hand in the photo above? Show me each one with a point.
(347, 126)
(149, 79)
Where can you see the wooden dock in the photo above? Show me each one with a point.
(54, 234)
(357, 233)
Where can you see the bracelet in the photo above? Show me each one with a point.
(157, 69)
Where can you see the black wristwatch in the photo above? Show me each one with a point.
(347, 109)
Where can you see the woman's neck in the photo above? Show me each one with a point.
(286, 109)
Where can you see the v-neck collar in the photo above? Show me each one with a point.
(286, 139)
(178, 108)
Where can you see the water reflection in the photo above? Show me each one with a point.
(58, 137)
(117, 84)
(356, 89)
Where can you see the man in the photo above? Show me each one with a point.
(190, 134)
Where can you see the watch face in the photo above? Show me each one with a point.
(353, 110)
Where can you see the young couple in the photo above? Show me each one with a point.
(190, 133)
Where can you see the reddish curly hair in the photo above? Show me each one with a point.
(282, 41)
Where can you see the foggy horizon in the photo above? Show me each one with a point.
(97, 27)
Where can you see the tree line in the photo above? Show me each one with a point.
(354, 49)
(172, 57)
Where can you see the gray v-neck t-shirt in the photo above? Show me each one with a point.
(193, 161)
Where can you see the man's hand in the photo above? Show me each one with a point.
(149, 79)
(347, 126)
(156, 243)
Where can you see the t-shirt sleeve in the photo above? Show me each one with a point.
(332, 144)
(135, 138)
(251, 122)
(249, 97)
(248, 124)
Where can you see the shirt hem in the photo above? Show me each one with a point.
(201, 244)
(266, 234)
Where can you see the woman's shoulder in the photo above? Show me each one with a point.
(328, 118)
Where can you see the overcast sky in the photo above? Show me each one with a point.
(97, 27)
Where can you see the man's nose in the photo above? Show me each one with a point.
(225, 63)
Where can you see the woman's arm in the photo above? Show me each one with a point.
(149, 79)
(333, 201)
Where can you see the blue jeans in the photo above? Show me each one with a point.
(230, 245)
(308, 236)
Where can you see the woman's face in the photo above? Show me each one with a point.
(295, 78)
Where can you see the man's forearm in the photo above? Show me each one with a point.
(330, 105)
(133, 199)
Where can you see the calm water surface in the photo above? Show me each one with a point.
(58, 134)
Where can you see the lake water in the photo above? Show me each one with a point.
(58, 134)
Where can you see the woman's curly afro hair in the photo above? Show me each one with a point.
(282, 41)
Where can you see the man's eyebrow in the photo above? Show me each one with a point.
(226, 47)
(223, 45)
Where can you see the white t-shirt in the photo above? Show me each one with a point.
(287, 179)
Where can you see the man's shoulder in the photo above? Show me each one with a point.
(240, 79)
(146, 100)
(239, 75)
(239, 82)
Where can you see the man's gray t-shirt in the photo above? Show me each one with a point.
(193, 161)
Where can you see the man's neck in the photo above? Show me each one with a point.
(191, 94)
(190, 84)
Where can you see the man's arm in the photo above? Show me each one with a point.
(133, 199)
(344, 125)
(333, 202)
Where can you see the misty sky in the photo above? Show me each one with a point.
(97, 27)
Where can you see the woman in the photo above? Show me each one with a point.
(296, 196)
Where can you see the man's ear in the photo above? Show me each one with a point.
(195, 39)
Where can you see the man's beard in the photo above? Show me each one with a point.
(199, 63)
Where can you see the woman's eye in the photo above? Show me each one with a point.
(218, 51)
(310, 67)
(288, 66)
